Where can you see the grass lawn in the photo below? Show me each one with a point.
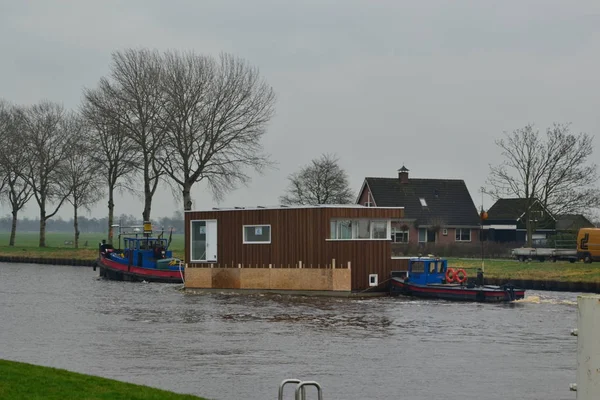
(513, 269)
(26, 245)
(20, 381)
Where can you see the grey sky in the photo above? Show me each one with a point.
(380, 83)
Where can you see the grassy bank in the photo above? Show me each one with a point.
(26, 381)
(535, 270)
(59, 245)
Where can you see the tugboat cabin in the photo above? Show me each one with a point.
(424, 271)
(146, 252)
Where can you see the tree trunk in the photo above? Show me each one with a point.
(147, 207)
(111, 211)
(13, 228)
(42, 227)
(187, 197)
(76, 226)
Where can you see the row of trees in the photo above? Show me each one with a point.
(92, 225)
(177, 117)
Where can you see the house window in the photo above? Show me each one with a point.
(463, 235)
(358, 229)
(422, 235)
(426, 235)
(257, 234)
(423, 202)
(399, 233)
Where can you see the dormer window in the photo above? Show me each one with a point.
(423, 202)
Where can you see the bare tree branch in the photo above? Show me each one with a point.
(13, 163)
(555, 171)
(323, 181)
(215, 115)
(114, 151)
(132, 100)
(46, 137)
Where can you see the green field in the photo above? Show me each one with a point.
(512, 269)
(20, 381)
(26, 245)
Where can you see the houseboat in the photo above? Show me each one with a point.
(333, 249)
(143, 258)
(432, 278)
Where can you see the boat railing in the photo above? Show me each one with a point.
(300, 391)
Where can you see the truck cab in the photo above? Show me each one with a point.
(588, 244)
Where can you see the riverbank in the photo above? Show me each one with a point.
(27, 381)
(559, 276)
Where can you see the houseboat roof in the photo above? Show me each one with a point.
(282, 207)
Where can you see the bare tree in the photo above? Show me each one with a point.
(134, 104)
(556, 171)
(13, 164)
(215, 115)
(81, 172)
(112, 148)
(323, 181)
(46, 138)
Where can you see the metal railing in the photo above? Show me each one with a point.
(300, 391)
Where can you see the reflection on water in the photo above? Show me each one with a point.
(230, 346)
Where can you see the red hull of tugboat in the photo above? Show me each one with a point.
(118, 271)
(446, 291)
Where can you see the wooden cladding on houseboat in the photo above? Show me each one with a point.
(299, 237)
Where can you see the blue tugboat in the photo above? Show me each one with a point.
(432, 278)
(143, 258)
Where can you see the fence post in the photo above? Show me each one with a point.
(588, 348)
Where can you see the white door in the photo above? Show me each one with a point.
(211, 240)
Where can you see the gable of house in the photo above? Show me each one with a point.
(514, 210)
(428, 201)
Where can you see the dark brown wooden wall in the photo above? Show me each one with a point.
(300, 234)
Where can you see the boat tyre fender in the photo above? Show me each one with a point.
(450, 275)
(461, 276)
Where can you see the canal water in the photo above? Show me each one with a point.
(232, 346)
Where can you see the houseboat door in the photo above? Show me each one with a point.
(211, 240)
(204, 241)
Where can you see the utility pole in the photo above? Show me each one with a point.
(482, 216)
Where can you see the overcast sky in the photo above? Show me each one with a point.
(426, 84)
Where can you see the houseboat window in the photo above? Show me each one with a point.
(363, 229)
(359, 229)
(257, 233)
(344, 230)
(380, 230)
(463, 235)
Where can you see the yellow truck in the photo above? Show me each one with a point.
(588, 244)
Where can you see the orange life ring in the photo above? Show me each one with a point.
(459, 278)
(450, 275)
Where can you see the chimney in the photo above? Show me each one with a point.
(403, 174)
